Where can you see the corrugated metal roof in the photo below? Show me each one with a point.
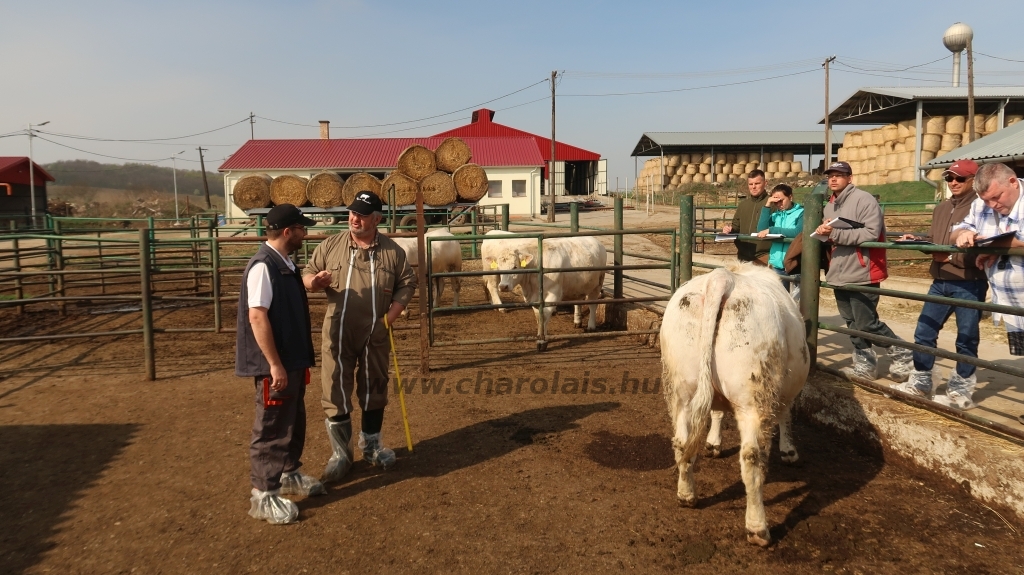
(1004, 143)
(11, 175)
(887, 105)
(654, 143)
(948, 92)
(482, 126)
(371, 153)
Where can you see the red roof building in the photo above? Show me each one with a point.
(482, 126)
(15, 195)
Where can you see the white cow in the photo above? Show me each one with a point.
(733, 338)
(576, 252)
(491, 247)
(445, 256)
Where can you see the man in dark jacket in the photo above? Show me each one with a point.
(853, 265)
(275, 347)
(955, 276)
(744, 221)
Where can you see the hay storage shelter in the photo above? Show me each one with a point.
(714, 157)
(910, 127)
(1004, 146)
(15, 194)
(513, 164)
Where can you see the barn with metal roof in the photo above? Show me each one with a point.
(1005, 146)
(15, 196)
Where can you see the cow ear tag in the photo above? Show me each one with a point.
(494, 265)
(522, 263)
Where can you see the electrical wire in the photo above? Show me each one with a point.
(449, 121)
(141, 140)
(103, 155)
(907, 78)
(670, 75)
(410, 121)
(999, 57)
(689, 89)
(889, 70)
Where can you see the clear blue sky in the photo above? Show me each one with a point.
(140, 70)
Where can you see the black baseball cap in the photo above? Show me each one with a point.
(283, 215)
(841, 167)
(366, 203)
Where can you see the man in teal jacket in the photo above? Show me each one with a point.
(781, 216)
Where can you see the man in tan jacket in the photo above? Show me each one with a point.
(366, 276)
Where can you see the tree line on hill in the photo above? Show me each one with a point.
(136, 177)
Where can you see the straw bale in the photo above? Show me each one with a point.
(869, 165)
(965, 138)
(979, 122)
(927, 157)
(720, 160)
(405, 189)
(779, 175)
(252, 192)
(668, 170)
(888, 147)
(691, 169)
(843, 154)
(907, 174)
(324, 190)
(891, 162)
(773, 166)
(992, 123)
(720, 178)
(698, 178)
(438, 189)
(686, 179)
(787, 156)
(848, 140)
(680, 170)
(931, 142)
(705, 159)
(288, 189)
(359, 182)
(951, 141)
(905, 159)
(673, 160)
(891, 132)
(471, 182)
(452, 153)
(720, 168)
(856, 139)
(417, 162)
(730, 158)
(775, 157)
(684, 159)
(750, 167)
(1012, 119)
(935, 174)
(935, 125)
(910, 143)
(742, 158)
(705, 168)
(907, 128)
(738, 168)
(956, 124)
(675, 180)
(792, 174)
(784, 166)
(893, 176)
(899, 147)
(870, 151)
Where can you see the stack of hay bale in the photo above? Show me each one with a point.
(886, 155)
(445, 175)
(681, 169)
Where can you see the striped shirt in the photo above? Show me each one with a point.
(1006, 276)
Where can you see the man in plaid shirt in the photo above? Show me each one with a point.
(998, 210)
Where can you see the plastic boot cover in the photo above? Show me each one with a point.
(920, 384)
(340, 435)
(956, 399)
(374, 451)
(865, 364)
(902, 363)
(270, 506)
(963, 386)
(295, 483)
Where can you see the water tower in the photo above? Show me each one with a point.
(956, 40)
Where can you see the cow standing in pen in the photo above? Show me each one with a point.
(733, 339)
(514, 258)
(445, 256)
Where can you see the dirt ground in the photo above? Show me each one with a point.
(104, 472)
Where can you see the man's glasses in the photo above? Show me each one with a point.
(959, 179)
(303, 228)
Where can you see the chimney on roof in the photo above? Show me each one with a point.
(483, 115)
(325, 129)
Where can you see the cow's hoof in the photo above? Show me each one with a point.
(542, 346)
(790, 456)
(759, 538)
(689, 503)
(712, 451)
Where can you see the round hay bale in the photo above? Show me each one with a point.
(935, 125)
(750, 167)
(684, 159)
(907, 174)
(691, 169)
(892, 177)
(775, 157)
(719, 168)
(680, 170)
(698, 178)
(784, 166)
(848, 140)
(324, 190)
(870, 151)
(935, 174)
(950, 141)
(773, 166)
(737, 169)
(965, 138)
(878, 136)
(796, 166)
(843, 154)
(705, 159)
(1012, 119)
(721, 178)
(931, 142)
(907, 128)
(787, 157)
(899, 147)
(992, 123)
(451, 154)
(979, 123)
(792, 174)
(856, 139)
(742, 158)
(675, 180)
(252, 192)
(471, 182)
(289, 189)
(360, 182)
(730, 158)
(891, 162)
(417, 162)
(405, 189)
(804, 175)
(673, 161)
(667, 170)
(779, 175)
(892, 132)
(956, 124)
(927, 157)
(904, 159)
(686, 179)
(704, 168)
(438, 189)
(887, 147)
(870, 164)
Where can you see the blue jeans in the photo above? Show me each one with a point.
(934, 316)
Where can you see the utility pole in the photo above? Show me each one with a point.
(174, 175)
(252, 131)
(828, 126)
(551, 167)
(970, 90)
(32, 173)
(206, 186)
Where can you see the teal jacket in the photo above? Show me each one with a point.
(788, 223)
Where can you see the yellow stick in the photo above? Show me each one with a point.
(401, 390)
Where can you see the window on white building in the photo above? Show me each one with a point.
(494, 189)
(518, 188)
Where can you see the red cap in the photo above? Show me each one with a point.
(962, 168)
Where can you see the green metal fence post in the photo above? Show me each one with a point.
(574, 217)
(147, 304)
(260, 231)
(810, 268)
(685, 269)
(215, 282)
(19, 292)
(58, 255)
(475, 250)
(617, 257)
(504, 217)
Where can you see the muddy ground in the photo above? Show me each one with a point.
(104, 472)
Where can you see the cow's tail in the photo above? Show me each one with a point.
(720, 284)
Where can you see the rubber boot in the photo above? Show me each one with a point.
(865, 364)
(271, 507)
(374, 451)
(295, 483)
(340, 435)
(902, 363)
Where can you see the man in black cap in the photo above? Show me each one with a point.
(367, 277)
(275, 347)
(852, 265)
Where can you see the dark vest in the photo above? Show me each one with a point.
(289, 320)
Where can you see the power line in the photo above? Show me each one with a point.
(999, 58)
(545, 98)
(908, 78)
(689, 89)
(142, 140)
(670, 75)
(890, 70)
(103, 155)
